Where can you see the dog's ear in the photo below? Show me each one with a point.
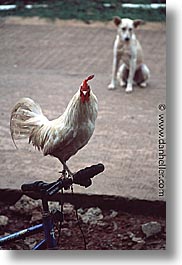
(138, 22)
(117, 21)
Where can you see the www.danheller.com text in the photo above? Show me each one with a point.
(161, 154)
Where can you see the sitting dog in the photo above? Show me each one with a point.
(128, 50)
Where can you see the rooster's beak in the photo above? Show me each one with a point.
(84, 92)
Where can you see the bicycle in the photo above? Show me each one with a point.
(49, 219)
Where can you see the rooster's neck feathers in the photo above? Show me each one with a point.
(77, 111)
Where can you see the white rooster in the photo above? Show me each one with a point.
(62, 137)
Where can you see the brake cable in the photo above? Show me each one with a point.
(60, 222)
(77, 218)
(78, 222)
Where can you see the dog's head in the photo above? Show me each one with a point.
(126, 27)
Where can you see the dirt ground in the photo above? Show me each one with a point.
(47, 62)
(105, 230)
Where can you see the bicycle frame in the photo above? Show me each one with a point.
(48, 227)
(21, 234)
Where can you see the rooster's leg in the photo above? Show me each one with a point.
(66, 169)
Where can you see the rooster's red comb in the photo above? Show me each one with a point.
(84, 84)
(89, 78)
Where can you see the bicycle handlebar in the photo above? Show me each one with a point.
(82, 178)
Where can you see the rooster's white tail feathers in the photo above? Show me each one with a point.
(26, 118)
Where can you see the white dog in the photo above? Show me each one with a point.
(128, 50)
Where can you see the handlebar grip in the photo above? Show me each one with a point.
(35, 186)
(83, 176)
(93, 170)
